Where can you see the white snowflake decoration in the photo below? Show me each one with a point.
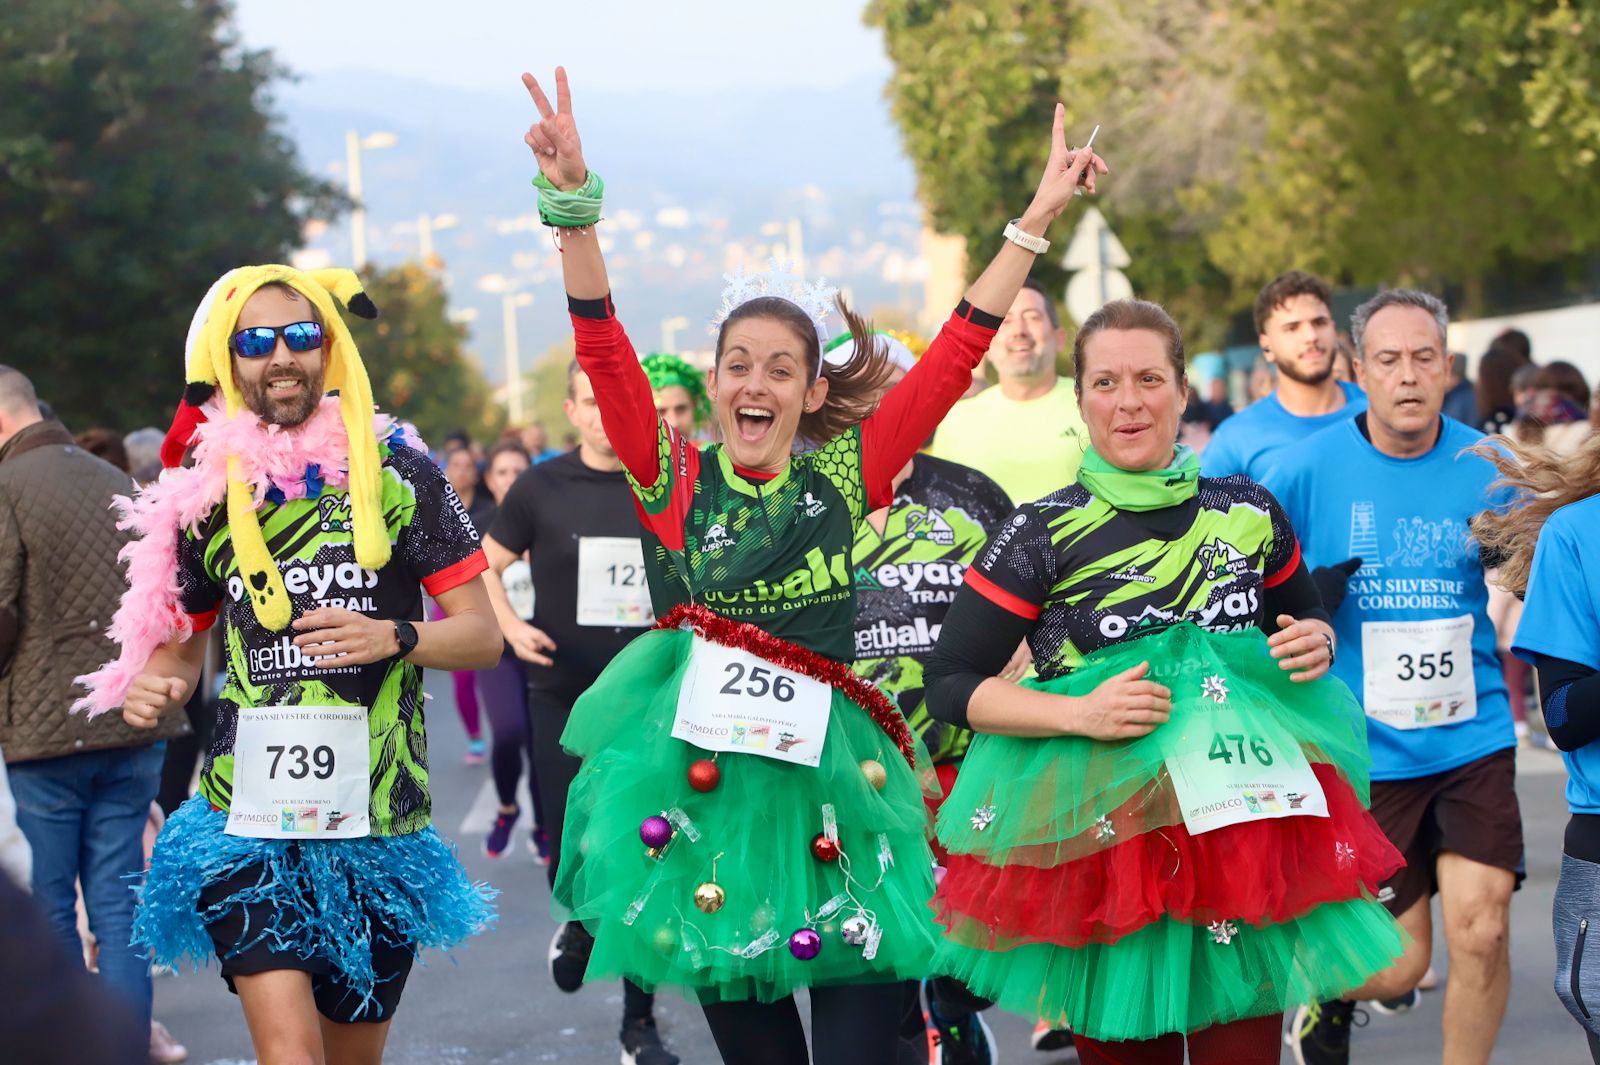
(1345, 854)
(815, 298)
(1223, 931)
(1215, 688)
(1103, 830)
(982, 818)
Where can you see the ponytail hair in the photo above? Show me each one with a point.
(853, 389)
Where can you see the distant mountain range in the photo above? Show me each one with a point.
(691, 181)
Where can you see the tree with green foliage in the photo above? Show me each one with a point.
(138, 161)
(1376, 141)
(417, 359)
(1443, 140)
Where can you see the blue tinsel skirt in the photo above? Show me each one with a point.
(326, 895)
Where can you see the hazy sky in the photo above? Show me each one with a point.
(631, 45)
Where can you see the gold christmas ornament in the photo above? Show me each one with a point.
(876, 775)
(709, 897)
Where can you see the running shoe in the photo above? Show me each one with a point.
(499, 837)
(1046, 1038)
(1319, 1033)
(165, 1050)
(963, 1040)
(641, 1044)
(539, 844)
(569, 956)
(477, 751)
(1402, 1004)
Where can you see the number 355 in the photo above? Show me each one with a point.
(1426, 666)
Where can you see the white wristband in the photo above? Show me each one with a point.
(1037, 245)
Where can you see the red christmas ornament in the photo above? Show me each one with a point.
(704, 775)
(824, 849)
(747, 637)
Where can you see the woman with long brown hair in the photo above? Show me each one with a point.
(749, 818)
(1549, 555)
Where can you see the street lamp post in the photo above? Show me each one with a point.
(794, 246)
(427, 226)
(354, 144)
(669, 331)
(509, 302)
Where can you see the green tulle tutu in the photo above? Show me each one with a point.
(1176, 977)
(1077, 893)
(760, 819)
(1051, 792)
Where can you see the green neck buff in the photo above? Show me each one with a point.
(1142, 489)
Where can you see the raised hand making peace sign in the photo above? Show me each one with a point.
(554, 138)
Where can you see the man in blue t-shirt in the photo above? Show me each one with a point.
(1298, 337)
(1393, 487)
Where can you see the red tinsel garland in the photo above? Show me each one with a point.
(758, 641)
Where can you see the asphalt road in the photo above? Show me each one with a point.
(493, 1002)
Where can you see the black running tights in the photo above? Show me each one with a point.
(853, 1024)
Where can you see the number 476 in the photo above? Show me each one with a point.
(1220, 753)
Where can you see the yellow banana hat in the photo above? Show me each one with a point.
(210, 363)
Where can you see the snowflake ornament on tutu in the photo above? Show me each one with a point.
(815, 298)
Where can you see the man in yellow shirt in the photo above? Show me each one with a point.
(1030, 404)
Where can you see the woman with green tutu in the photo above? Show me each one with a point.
(749, 816)
(1164, 838)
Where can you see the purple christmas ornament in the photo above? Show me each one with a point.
(805, 944)
(655, 831)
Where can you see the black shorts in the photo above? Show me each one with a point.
(1470, 810)
(336, 999)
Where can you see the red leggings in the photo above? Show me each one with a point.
(1256, 1041)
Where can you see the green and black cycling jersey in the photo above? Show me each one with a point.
(907, 576)
(435, 548)
(1073, 574)
(769, 549)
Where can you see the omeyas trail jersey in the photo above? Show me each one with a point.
(774, 552)
(1090, 575)
(907, 577)
(435, 547)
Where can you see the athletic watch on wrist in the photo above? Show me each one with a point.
(405, 634)
(1037, 245)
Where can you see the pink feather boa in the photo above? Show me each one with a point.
(150, 613)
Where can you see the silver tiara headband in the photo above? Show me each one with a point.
(815, 298)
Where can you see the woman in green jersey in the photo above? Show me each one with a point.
(1164, 838)
(749, 815)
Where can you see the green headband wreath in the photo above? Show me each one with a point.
(666, 370)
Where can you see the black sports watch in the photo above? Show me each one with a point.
(405, 634)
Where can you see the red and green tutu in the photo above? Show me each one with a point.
(1076, 893)
(752, 836)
